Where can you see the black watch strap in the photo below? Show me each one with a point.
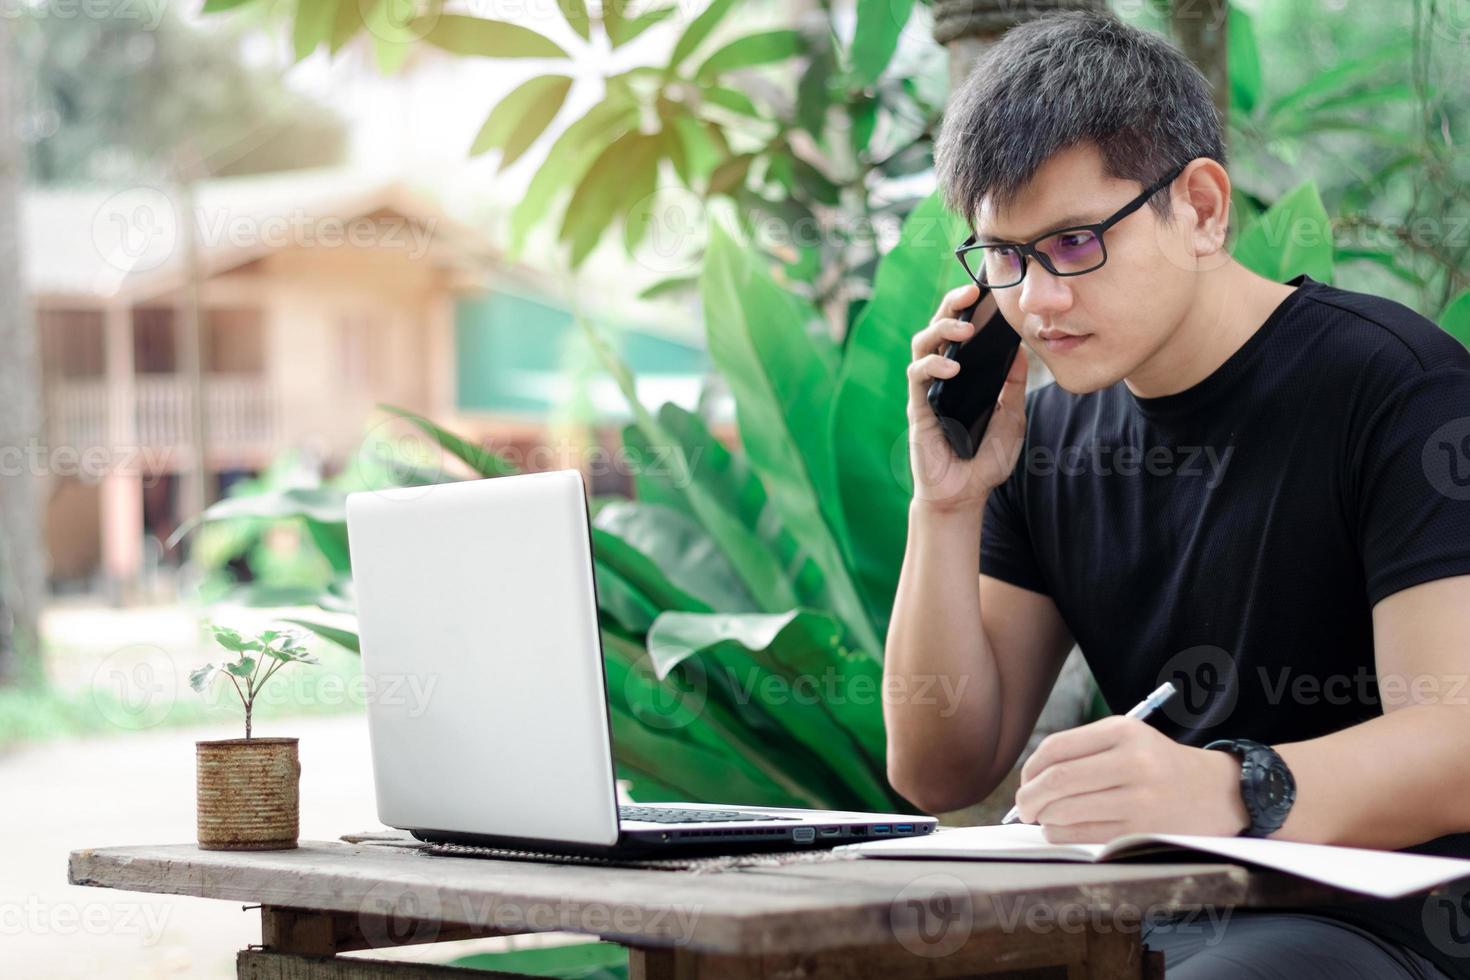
(1266, 784)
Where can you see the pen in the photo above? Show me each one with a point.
(1142, 709)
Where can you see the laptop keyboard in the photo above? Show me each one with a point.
(659, 814)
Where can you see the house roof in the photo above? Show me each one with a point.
(101, 243)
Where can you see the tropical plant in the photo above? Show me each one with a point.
(742, 575)
(811, 164)
(744, 593)
(274, 647)
(1387, 181)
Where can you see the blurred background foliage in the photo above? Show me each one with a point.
(745, 586)
(779, 555)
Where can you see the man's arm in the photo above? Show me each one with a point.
(1391, 782)
(1403, 778)
(987, 657)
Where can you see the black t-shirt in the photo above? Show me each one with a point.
(1233, 537)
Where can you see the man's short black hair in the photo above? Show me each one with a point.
(1067, 79)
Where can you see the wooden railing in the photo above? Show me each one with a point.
(241, 414)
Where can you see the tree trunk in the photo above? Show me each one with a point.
(22, 551)
(1200, 28)
(967, 28)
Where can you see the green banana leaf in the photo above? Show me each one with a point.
(869, 431)
(824, 696)
(754, 563)
(696, 714)
(727, 478)
(1292, 237)
(757, 336)
(681, 549)
(478, 458)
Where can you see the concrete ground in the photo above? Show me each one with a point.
(137, 787)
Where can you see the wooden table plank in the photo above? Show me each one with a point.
(797, 908)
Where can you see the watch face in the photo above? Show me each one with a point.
(1276, 786)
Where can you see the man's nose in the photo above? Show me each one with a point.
(1044, 295)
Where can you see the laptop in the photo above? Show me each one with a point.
(487, 700)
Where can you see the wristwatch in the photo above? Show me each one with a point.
(1266, 784)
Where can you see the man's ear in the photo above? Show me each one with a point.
(1201, 197)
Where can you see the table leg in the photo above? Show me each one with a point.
(302, 944)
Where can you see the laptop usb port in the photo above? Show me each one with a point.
(881, 828)
(803, 834)
(903, 828)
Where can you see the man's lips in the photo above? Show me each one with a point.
(1060, 341)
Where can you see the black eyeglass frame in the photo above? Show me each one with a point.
(1029, 249)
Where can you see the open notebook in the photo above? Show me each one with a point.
(1387, 874)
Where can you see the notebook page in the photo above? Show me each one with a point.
(1386, 874)
(1017, 841)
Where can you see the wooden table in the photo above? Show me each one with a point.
(830, 918)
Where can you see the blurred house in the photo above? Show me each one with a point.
(320, 295)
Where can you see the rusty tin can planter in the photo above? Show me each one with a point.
(248, 794)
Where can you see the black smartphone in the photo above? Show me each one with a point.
(965, 402)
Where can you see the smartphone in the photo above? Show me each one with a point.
(965, 402)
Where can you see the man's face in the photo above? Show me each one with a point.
(1094, 329)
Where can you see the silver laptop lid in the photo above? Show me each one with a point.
(487, 712)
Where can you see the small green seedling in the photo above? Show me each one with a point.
(279, 647)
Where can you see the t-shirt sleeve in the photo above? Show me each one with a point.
(1006, 548)
(1412, 480)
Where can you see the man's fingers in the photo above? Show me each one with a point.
(956, 300)
(1077, 743)
(1067, 780)
(928, 340)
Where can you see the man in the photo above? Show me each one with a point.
(1254, 489)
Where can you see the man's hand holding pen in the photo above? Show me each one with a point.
(1121, 775)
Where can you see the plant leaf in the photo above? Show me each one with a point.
(724, 480)
(479, 459)
(627, 30)
(682, 550)
(1342, 75)
(478, 36)
(697, 31)
(1456, 318)
(522, 116)
(869, 432)
(199, 679)
(673, 286)
(789, 664)
(783, 390)
(316, 503)
(682, 736)
(312, 26)
(1294, 236)
(732, 99)
(753, 49)
(568, 160)
(879, 23)
(577, 18)
(620, 599)
(757, 567)
(344, 638)
(232, 640)
(243, 667)
(1243, 59)
(620, 176)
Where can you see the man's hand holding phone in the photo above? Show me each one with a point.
(942, 479)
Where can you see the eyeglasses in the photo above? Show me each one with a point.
(1065, 252)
